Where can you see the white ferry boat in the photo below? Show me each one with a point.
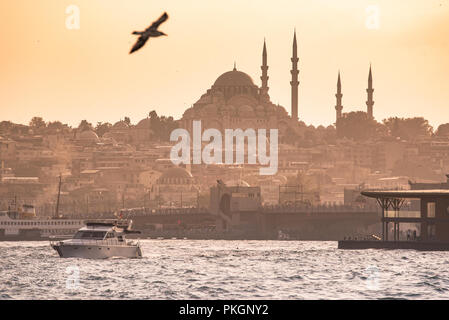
(100, 240)
(23, 225)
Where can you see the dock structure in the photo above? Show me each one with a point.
(431, 220)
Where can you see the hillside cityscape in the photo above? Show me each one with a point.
(105, 167)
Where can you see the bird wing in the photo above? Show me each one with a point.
(157, 23)
(139, 44)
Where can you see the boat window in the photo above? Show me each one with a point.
(430, 209)
(92, 235)
(109, 235)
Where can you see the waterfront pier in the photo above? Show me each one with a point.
(424, 229)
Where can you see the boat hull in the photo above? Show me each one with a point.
(97, 251)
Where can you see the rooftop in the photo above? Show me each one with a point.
(442, 193)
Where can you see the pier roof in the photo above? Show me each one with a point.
(440, 193)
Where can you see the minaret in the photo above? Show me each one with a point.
(294, 83)
(370, 90)
(339, 95)
(264, 68)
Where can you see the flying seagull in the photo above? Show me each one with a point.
(151, 31)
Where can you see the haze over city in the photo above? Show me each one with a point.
(71, 75)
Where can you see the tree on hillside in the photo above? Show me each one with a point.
(37, 123)
(408, 128)
(56, 125)
(330, 135)
(6, 126)
(291, 137)
(152, 114)
(443, 130)
(162, 126)
(84, 125)
(359, 126)
(101, 128)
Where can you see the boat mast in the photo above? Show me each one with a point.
(59, 194)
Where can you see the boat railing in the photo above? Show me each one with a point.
(105, 242)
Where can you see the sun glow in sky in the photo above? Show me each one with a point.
(70, 75)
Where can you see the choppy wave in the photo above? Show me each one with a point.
(184, 269)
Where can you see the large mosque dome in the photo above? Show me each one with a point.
(230, 84)
(234, 78)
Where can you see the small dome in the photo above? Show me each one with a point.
(210, 109)
(205, 98)
(246, 111)
(281, 111)
(176, 173)
(281, 179)
(234, 78)
(121, 125)
(88, 135)
(260, 111)
(189, 112)
(271, 109)
(144, 124)
(108, 135)
(108, 140)
(243, 99)
(229, 108)
(237, 183)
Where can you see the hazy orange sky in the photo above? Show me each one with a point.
(70, 75)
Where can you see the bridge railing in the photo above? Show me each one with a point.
(320, 209)
(165, 211)
(266, 209)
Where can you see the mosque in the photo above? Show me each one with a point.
(234, 101)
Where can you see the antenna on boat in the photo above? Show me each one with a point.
(59, 194)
